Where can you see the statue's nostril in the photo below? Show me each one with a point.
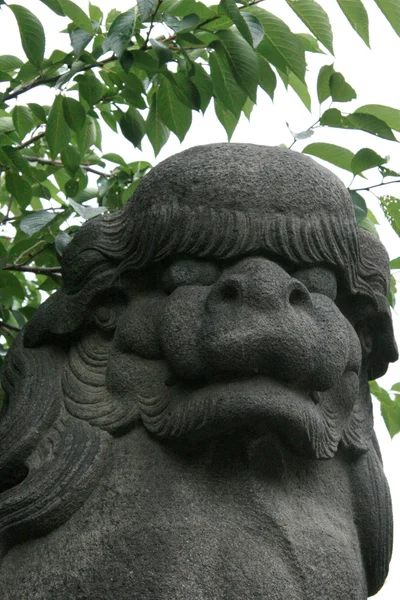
(299, 296)
(230, 290)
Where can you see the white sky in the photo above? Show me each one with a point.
(375, 76)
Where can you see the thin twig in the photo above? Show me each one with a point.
(37, 270)
(10, 327)
(31, 256)
(144, 46)
(32, 140)
(367, 189)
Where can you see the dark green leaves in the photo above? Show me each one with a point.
(57, 133)
(74, 114)
(146, 8)
(226, 89)
(23, 120)
(79, 40)
(315, 18)
(230, 8)
(132, 126)
(360, 207)
(242, 60)
(280, 46)
(18, 188)
(175, 115)
(32, 34)
(120, 33)
(157, 132)
(357, 16)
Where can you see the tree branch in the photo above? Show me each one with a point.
(50, 271)
(53, 79)
(32, 140)
(58, 163)
(10, 327)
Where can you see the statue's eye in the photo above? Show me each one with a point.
(318, 280)
(189, 272)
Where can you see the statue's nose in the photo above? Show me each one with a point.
(258, 283)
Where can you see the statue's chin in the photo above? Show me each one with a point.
(309, 421)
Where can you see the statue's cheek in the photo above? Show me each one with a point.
(138, 328)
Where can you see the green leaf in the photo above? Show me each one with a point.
(95, 13)
(370, 124)
(266, 76)
(87, 212)
(391, 116)
(255, 27)
(90, 88)
(333, 118)
(203, 83)
(164, 54)
(71, 159)
(315, 18)
(6, 125)
(74, 114)
(360, 207)
(10, 289)
(309, 43)
(35, 221)
(157, 132)
(366, 159)
(79, 40)
(336, 155)
(22, 119)
(230, 8)
(323, 87)
(115, 158)
(76, 14)
(146, 8)
(19, 188)
(38, 111)
(391, 10)
(57, 131)
(227, 119)
(280, 46)
(395, 263)
(9, 62)
(226, 89)
(242, 60)
(54, 5)
(87, 137)
(340, 90)
(175, 115)
(357, 16)
(132, 126)
(120, 33)
(32, 34)
(61, 242)
(301, 90)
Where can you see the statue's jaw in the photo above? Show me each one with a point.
(308, 421)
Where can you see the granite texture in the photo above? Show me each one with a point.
(189, 417)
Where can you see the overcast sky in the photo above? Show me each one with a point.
(374, 74)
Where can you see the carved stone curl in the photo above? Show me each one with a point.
(189, 416)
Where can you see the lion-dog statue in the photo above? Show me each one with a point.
(189, 417)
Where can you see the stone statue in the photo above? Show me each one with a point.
(189, 417)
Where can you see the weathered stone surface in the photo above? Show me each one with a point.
(189, 417)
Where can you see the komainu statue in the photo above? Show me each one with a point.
(189, 417)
